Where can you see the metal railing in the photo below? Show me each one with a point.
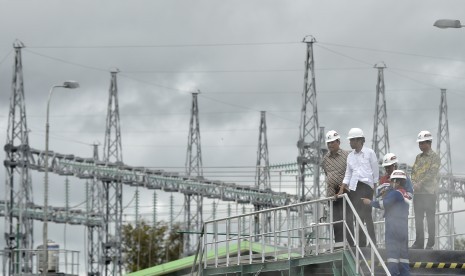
(453, 216)
(259, 237)
(59, 261)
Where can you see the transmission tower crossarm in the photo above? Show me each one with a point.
(56, 214)
(87, 168)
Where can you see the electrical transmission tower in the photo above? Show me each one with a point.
(112, 190)
(193, 208)
(380, 132)
(380, 128)
(18, 186)
(94, 232)
(446, 188)
(262, 175)
(310, 140)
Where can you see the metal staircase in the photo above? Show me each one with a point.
(299, 247)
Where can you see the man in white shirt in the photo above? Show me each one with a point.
(362, 174)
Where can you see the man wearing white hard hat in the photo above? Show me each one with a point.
(425, 172)
(361, 176)
(334, 165)
(390, 164)
(395, 204)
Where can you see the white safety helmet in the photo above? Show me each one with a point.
(424, 135)
(355, 133)
(398, 174)
(389, 159)
(332, 135)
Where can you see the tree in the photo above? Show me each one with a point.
(459, 243)
(146, 246)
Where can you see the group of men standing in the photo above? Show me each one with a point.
(356, 173)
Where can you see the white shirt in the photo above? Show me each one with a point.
(361, 166)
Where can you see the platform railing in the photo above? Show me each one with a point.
(264, 236)
(59, 261)
(458, 232)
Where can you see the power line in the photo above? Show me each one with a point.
(235, 105)
(7, 55)
(343, 55)
(237, 71)
(389, 51)
(67, 62)
(154, 84)
(165, 45)
(412, 79)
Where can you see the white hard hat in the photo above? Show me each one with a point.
(332, 135)
(355, 133)
(398, 174)
(389, 159)
(424, 135)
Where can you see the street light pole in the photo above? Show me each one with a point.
(448, 23)
(69, 85)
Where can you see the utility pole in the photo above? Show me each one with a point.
(154, 215)
(309, 144)
(262, 175)
(445, 224)
(18, 187)
(193, 200)
(380, 129)
(112, 190)
(94, 232)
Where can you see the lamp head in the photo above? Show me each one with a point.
(447, 23)
(71, 84)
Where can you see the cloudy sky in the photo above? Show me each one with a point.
(244, 57)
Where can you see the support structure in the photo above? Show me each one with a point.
(445, 224)
(193, 202)
(309, 144)
(380, 128)
(154, 215)
(94, 232)
(112, 190)
(262, 176)
(380, 132)
(18, 187)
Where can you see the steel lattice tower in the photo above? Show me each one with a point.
(112, 190)
(94, 232)
(262, 175)
(380, 127)
(309, 143)
(193, 208)
(380, 132)
(18, 186)
(445, 224)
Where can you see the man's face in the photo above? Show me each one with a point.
(424, 145)
(333, 146)
(390, 169)
(356, 143)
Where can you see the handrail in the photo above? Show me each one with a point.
(261, 237)
(374, 251)
(197, 253)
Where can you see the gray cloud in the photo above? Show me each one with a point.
(155, 103)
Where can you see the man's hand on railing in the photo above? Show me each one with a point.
(343, 188)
